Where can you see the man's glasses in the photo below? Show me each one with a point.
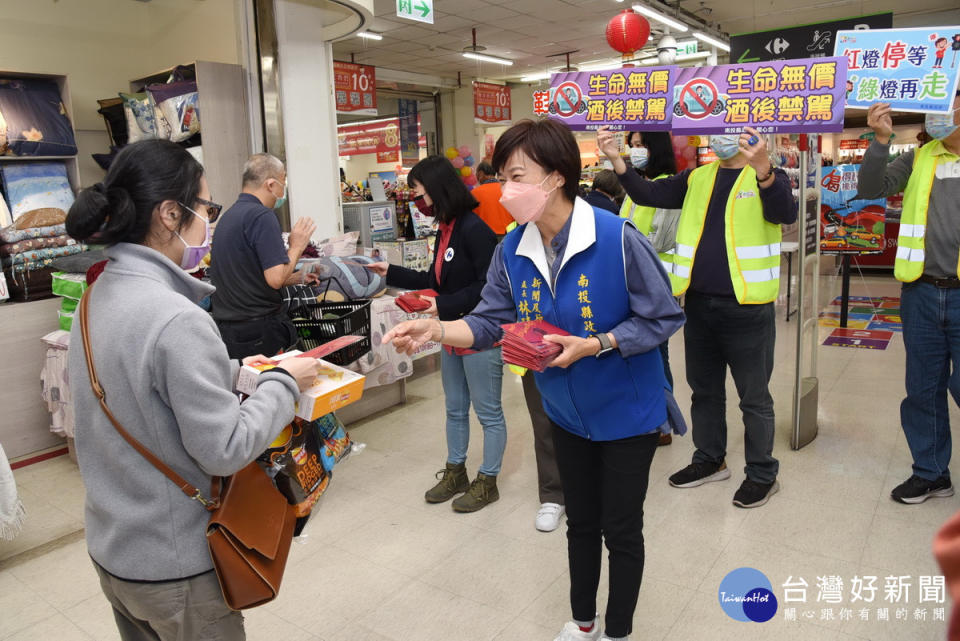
(213, 209)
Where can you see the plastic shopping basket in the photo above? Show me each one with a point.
(324, 322)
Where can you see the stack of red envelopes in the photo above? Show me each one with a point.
(412, 303)
(523, 344)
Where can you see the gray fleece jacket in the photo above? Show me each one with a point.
(169, 382)
(878, 178)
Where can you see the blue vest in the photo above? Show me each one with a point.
(601, 399)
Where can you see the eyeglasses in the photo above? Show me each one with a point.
(213, 209)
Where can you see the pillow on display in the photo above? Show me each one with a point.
(79, 263)
(36, 185)
(179, 104)
(44, 217)
(345, 278)
(115, 118)
(9, 249)
(36, 120)
(13, 235)
(45, 257)
(3, 135)
(141, 119)
(5, 217)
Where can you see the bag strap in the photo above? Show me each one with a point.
(184, 486)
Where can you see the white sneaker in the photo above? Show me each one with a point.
(548, 517)
(572, 632)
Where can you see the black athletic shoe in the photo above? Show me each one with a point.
(699, 473)
(918, 490)
(753, 494)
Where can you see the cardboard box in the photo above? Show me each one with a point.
(334, 387)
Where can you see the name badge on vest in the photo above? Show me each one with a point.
(745, 194)
(448, 255)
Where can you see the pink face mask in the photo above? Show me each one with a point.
(524, 201)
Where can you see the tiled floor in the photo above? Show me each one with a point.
(378, 564)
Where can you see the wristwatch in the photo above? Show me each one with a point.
(605, 346)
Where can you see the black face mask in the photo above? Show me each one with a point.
(425, 209)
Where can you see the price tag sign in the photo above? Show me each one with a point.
(356, 88)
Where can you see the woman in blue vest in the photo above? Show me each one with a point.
(651, 155)
(595, 276)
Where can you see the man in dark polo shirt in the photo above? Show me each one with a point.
(249, 263)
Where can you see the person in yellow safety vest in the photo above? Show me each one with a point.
(727, 261)
(928, 264)
(651, 155)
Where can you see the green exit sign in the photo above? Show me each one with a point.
(686, 48)
(419, 10)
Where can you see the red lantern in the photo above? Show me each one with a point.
(627, 32)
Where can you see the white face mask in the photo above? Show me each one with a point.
(639, 157)
(939, 125)
(726, 146)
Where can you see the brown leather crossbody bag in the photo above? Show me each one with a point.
(251, 522)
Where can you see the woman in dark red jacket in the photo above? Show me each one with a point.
(462, 253)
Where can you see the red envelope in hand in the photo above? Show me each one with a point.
(523, 344)
(412, 303)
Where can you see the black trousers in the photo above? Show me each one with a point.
(268, 336)
(722, 333)
(548, 477)
(604, 486)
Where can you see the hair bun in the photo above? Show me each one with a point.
(88, 212)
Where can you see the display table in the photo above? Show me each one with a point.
(25, 427)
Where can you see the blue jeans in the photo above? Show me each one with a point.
(477, 377)
(931, 334)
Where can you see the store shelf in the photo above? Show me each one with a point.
(224, 122)
(73, 167)
(34, 158)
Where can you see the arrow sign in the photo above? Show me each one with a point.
(419, 10)
(743, 57)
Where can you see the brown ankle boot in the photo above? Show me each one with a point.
(453, 481)
(482, 492)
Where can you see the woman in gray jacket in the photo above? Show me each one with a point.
(169, 382)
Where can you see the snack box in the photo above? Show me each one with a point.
(334, 387)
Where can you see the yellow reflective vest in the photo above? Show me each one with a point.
(753, 243)
(641, 216)
(908, 266)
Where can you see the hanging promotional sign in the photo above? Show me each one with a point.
(376, 137)
(857, 143)
(912, 69)
(388, 156)
(491, 104)
(789, 96)
(409, 132)
(633, 98)
(355, 88)
(849, 226)
(780, 96)
(807, 41)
